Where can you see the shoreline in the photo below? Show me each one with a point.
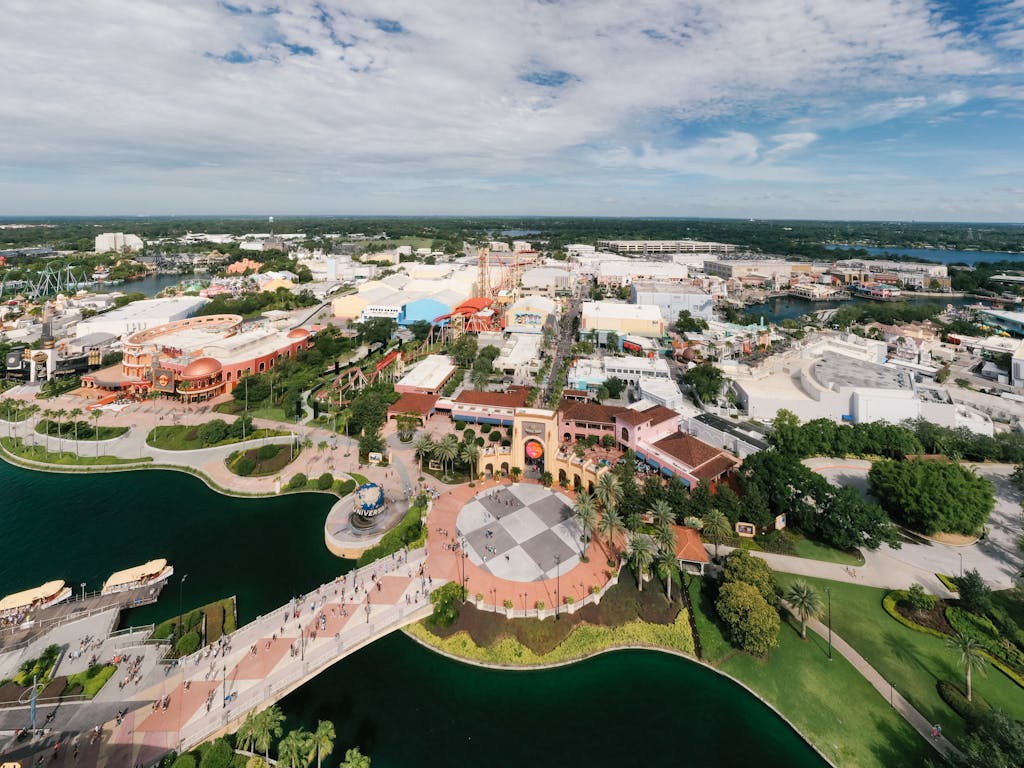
(617, 649)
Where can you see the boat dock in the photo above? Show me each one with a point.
(78, 607)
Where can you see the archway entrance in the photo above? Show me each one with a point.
(534, 453)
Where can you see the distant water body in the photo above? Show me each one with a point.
(938, 255)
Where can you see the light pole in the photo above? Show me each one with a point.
(558, 582)
(224, 690)
(181, 627)
(828, 592)
(890, 695)
(494, 599)
(961, 564)
(82, 585)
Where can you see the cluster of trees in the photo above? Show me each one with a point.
(776, 484)
(705, 380)
(483, 365)
(450, 452)
(746, 603)
(602, 513)
(260, 301)
(687, 323)
(217, 430)
(823, 437)
(463, 350)
(368, 412)
(932, 496)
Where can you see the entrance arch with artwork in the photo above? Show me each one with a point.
(534, 451)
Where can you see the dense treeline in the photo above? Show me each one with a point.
(794, 238)
(823, 437)
(932, 496)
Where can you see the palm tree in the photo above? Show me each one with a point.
(32, 410)
(355, 759)
(245, 738)
(662, 513)
(48, 415)
(665, 538)
(586, 513)
(516, 473)
(268, 727)
(297, 749)
(716, 527)
(640, 556)
(608, 491)
(95, 414)
(806, 601)
(60, 413)
(480, 379)
(423, 447)
(73, 414)
(611, 523)
(668, 570)
(446, 451)
(971, 657)
(470, 453)
(324, 737)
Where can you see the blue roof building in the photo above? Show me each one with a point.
(422, 309)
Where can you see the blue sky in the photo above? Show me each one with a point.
(878, 109)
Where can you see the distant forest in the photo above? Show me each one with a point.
(788, 238)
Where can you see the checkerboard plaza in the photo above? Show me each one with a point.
(520, 532)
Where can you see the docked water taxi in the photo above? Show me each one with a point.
(50, 593)
(146, 575)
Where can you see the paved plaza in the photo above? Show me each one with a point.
(521, 532)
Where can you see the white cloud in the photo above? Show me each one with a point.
(332, 96)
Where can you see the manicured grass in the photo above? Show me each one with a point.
(264, 467)
(91, 680)
(813, 550)
(830, 702)
(185, 438)
(220, 620)
(38, 453)
(272, 414)
(914, 661)
(360, 479)
(86, 432)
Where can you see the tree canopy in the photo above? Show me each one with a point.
(932, 496)
(753, 624)
(705, 380)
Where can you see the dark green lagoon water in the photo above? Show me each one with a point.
(402, 704)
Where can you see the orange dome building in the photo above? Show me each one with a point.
(199, 358)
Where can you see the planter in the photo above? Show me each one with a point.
(510, 613)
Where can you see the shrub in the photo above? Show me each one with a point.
(298, 480)
(459, 426)
(494, 436)
(344, 487)
(485, 428)
(539, 605)
(468, 434)
(218, 755)
(189, 643)
(607, 441)
(889, 604)
(592, 441)
(740, 565)
(446, 601)
(184, 761)
(920, 600)
(957, 701)
(325, 481)
(409, 532)
(267, 452)
(948, 581)
(245, 466)
(507, 604)
(975, 594)
(480, 442)
(986, 633)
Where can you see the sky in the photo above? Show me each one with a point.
(827, 109)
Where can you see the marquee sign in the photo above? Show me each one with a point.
(534, 449)
(163, 380)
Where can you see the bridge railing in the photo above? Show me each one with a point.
(230, 704)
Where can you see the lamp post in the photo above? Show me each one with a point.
(181, 626)
(494, 599)
(524, 601)
(82, 585)
(828, 592)
(558, 582)
(224, 690)
(890, 695)
(961, 564)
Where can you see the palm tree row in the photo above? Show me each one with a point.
(643, 550)
(448, 450)
(299, 748)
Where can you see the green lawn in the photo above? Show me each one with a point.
(183, 437)
(63, 458)
(271, 414)
(85, 436)
(360, 479)
(829, 702)
(92, 679)
(814, 550)
(914, 661)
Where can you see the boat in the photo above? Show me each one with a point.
(146, 575)
(50, 593)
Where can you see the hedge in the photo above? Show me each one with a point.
(584, 640)
(985, 632)
(958, 702)
(949, 582)
(889, 604)
(410, 532)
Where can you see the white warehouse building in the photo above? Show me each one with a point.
(672, 299)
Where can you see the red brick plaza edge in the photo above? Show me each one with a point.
(525, 595)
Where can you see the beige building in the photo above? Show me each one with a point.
(622, 319)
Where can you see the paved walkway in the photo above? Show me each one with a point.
(916, 720)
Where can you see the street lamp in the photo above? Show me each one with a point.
(558, 580)
(828, 592)
(494, 599)
(890, 694)
(961, 564)
(82, 585)
(181, 626)
(224, 690)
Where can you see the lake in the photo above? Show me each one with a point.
(940, 256)
(403, 705)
